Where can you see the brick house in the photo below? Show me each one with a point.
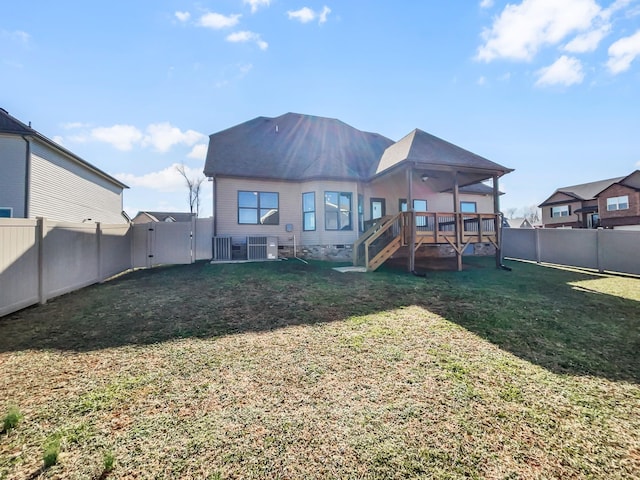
(619, 204)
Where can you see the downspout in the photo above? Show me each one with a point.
(27, 176)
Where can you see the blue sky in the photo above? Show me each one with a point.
(550, 88)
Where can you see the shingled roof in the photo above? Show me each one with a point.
(584, 191)
(295, 147)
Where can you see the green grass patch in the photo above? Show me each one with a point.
(287, 370)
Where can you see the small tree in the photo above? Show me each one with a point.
(511, 212)
(531, 213)
(193, 184)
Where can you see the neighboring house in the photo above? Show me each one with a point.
(619, 203)
(517, 223)
(39, 178)
(318, 183)
(149, 217)
(575, 206)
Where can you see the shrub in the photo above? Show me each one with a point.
(11, 419)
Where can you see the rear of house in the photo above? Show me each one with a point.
(313, 185)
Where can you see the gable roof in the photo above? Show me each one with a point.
(631, 181)
(294, 147)
(165, 216)
(423, 148)
(12, 126)
(584, 191)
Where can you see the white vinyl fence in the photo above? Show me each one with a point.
(603, 250)
(41, 259)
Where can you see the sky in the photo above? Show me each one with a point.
(550, 88)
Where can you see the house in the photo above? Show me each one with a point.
(619, 203)
(611, 203)
(575, 206)
(316, 185)
(170, 217)
(517, 223)
(39, 178)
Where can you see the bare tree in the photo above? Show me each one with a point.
(511, 212)
(531, 213)
(193, 184)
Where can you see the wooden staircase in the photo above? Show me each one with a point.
(380, 242)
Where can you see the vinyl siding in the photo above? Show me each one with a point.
(290, 210)
(12, 180)
(64, 190)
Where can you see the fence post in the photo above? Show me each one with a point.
(537, 240)
(40, 234)
(600, 249)
(99, 250)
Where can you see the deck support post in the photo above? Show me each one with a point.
(411, 219)
(498, 223)
(458, 222)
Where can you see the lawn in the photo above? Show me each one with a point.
(292, 371)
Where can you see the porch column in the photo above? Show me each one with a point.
(458, 221)
(412, 223)
(497, 222)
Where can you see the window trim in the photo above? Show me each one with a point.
(403, 201)
(258, 208)
(617, 203)
(313, 212)
(565, 208)
(339, 226)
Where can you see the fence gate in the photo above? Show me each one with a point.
(162, 243)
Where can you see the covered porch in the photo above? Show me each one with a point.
(427, 161)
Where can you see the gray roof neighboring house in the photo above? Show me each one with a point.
(583, 191)
(13, 126)
(147, 216)
(294, 147)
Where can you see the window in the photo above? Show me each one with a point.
(361, 212)
(618, 203)
(561, 211)
(418, 205)
(309, 211)
(468, 207)
(337, 211)
(258, 208)
(6, 212)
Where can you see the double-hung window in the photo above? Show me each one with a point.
(309, 211)
(258, 208)
(337, 211)
(560, 211)
(618, 203)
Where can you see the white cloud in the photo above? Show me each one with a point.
(59, 140)
(521, 30)
(587, 42)
(183, 16)
(163, 136)
(18, 36)
(167, 180)
(564, 71)
(322, 18)
(218, 21)
(74, 125)
(255, 4)
(199, 152)
(306, 15)
(623, 52)
(122, 137)
(486, 3)
(247, 36)
(482, 81)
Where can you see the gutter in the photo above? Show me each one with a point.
(27, 176)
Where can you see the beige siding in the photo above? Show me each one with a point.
(290, 210)
(13, 167)
(393, 188)
(63, 190)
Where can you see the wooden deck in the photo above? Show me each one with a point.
(390, 233)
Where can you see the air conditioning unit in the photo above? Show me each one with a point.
(262, 248)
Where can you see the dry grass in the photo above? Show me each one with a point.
(286, 370)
